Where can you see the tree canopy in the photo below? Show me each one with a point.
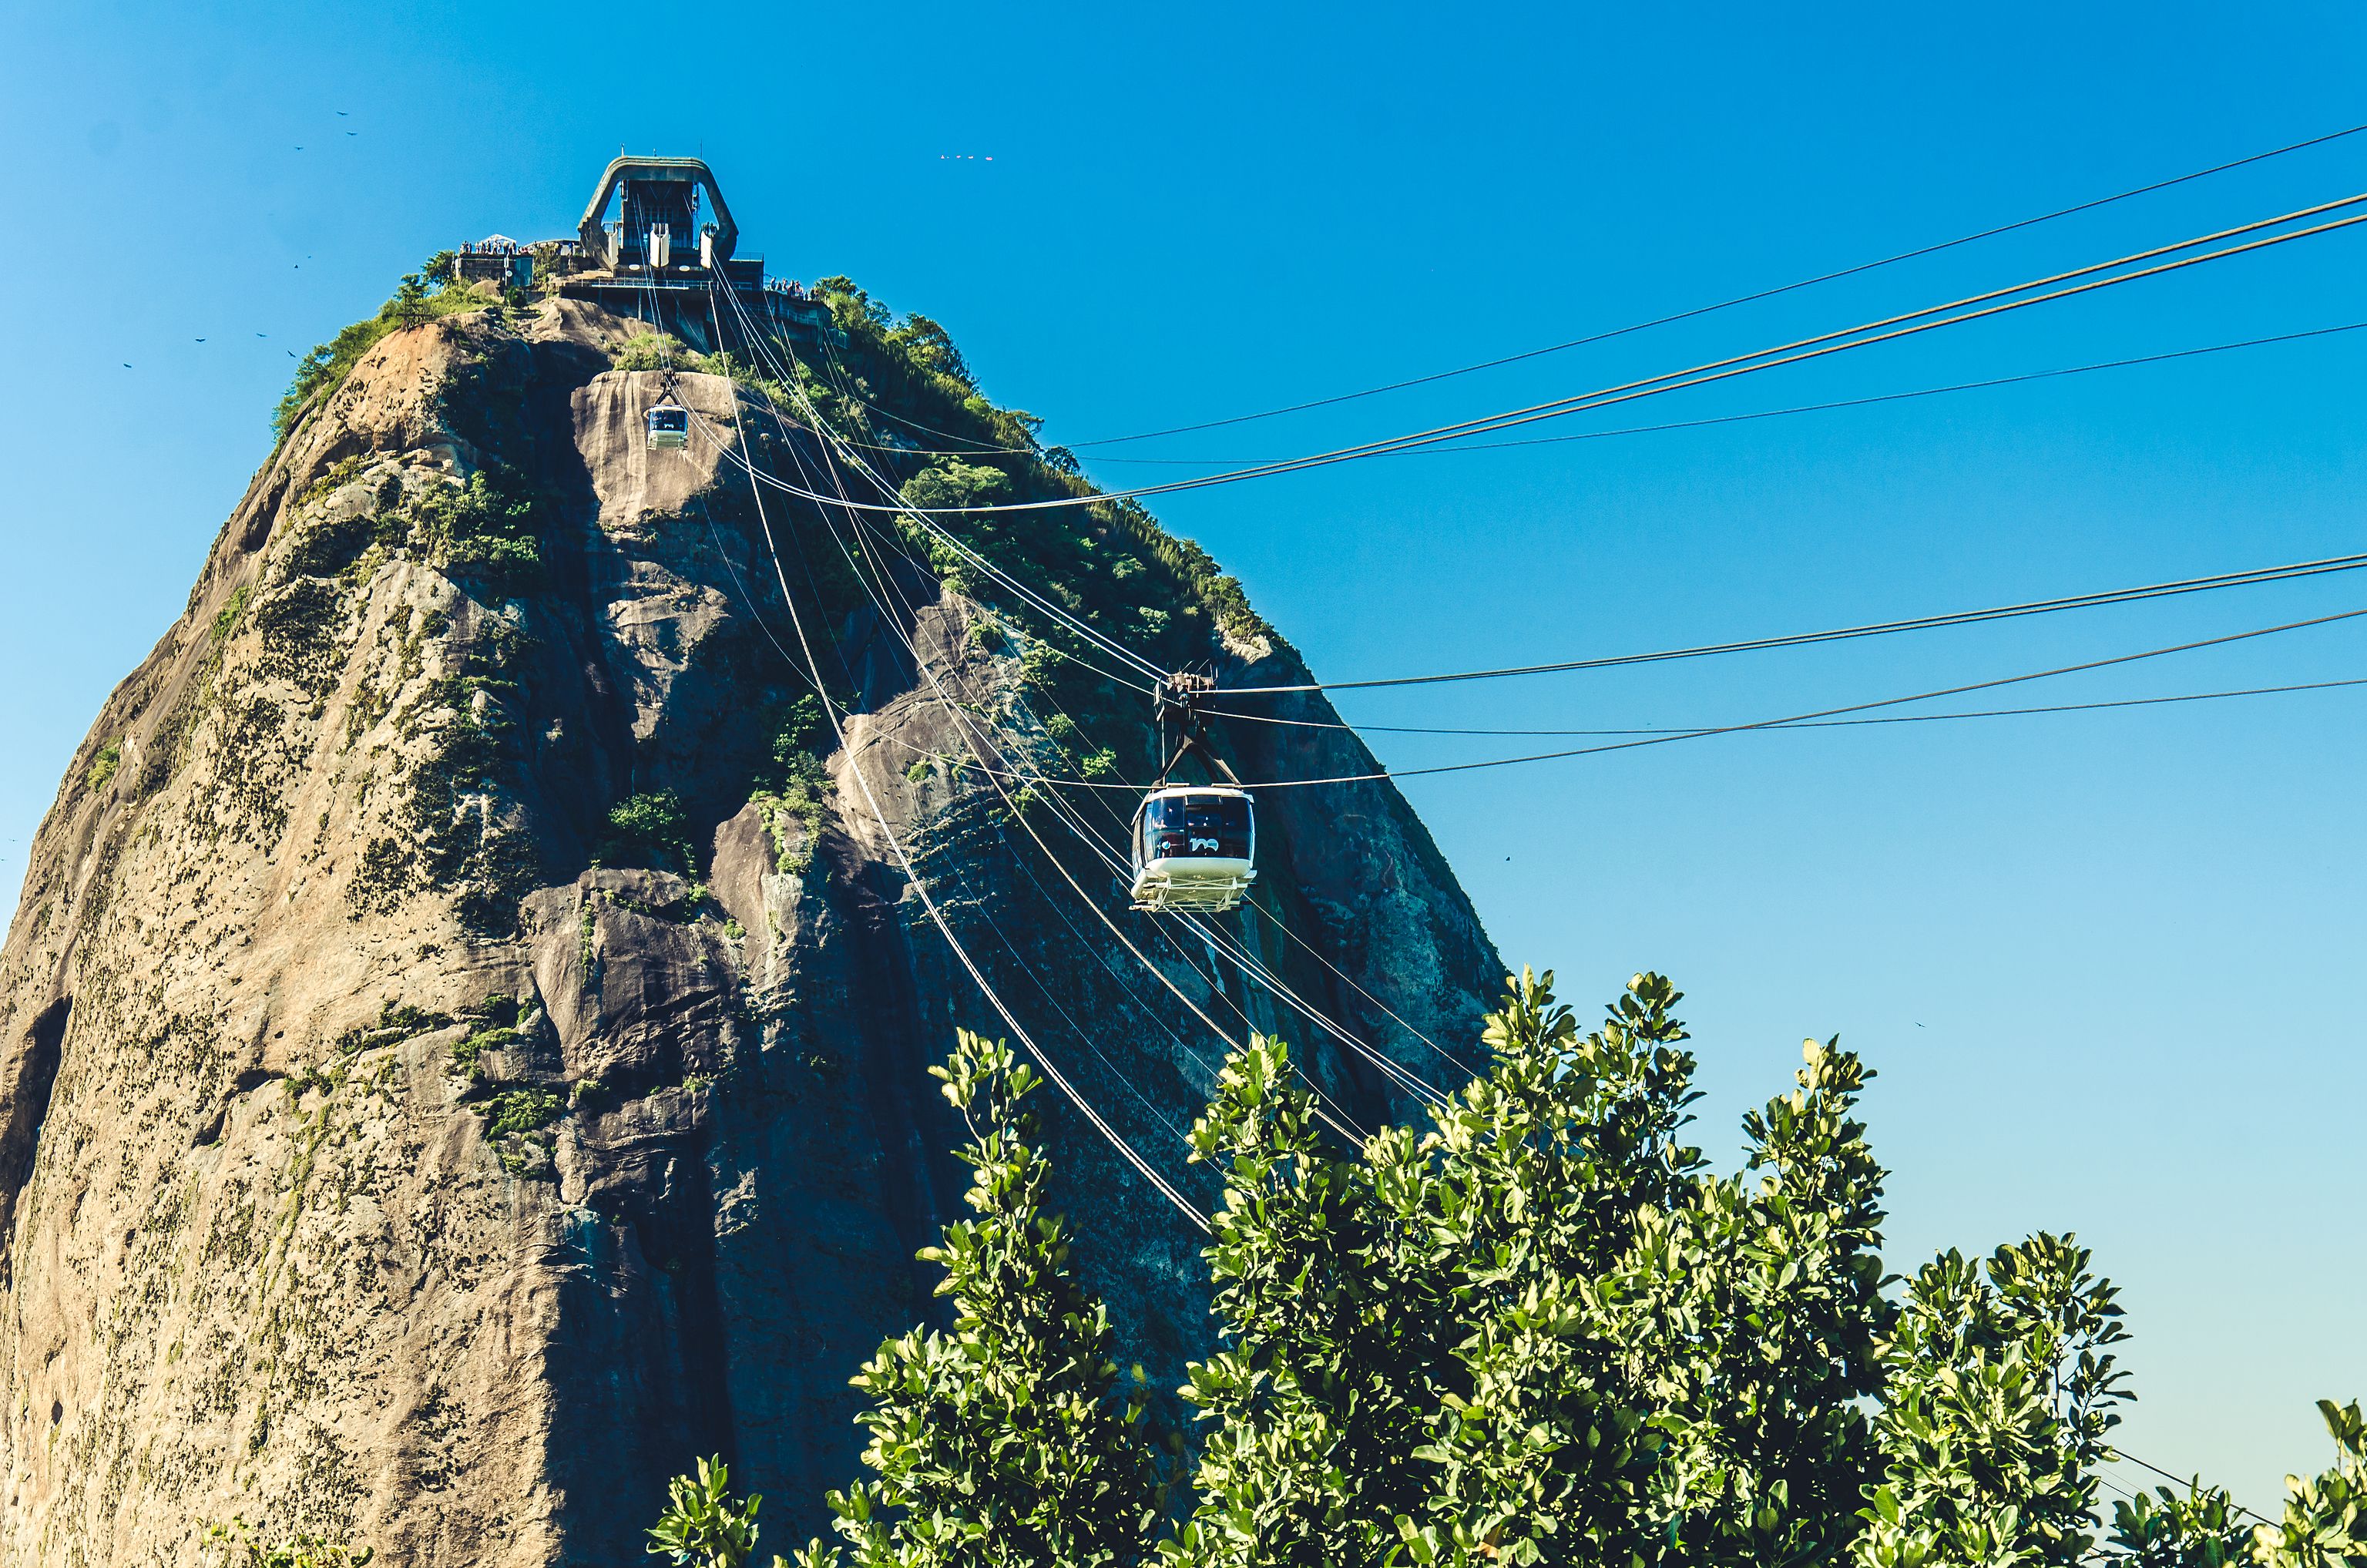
(1540, 1330)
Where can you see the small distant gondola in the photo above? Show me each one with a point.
(1194, 848)
(669, 427)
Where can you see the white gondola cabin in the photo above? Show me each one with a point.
(669, 427)
(1194, 848)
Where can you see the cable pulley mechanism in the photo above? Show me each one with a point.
(1194, 845)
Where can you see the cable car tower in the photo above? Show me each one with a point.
(659, 228)
(654, 243)
(1194, 848)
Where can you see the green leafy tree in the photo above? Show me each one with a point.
(949, 482)
(1530, 1192)
(2325, 1523)
(1768, 1288)
(2000, 1394)
(1321, 1395)
(932, 349)
(2198, 1527)
(1540, 1331)
(704, 1525)
(1007, 1441)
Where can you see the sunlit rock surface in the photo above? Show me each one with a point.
(300, 1226)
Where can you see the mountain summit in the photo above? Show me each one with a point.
(463, 1038)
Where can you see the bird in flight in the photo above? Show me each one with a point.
(201, 340)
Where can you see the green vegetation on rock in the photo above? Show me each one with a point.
(650, 829)
(422, 296)
(649, 351)
(242, 1546)
(396, 1021)
(791, 792)
(496, 1020)
(227, 617)
(483, 530)
(519, 1111)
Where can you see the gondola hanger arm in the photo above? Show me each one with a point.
(1185, 696)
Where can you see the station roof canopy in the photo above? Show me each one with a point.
(633, 169)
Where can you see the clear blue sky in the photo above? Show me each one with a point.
(2107, 965)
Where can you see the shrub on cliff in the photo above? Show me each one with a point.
(651, 829)
(420, 296)
(242, 1546)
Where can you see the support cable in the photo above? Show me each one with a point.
(1868, 401)
(1797, 719)
(1801, 720)
(2249, 577)
(1753, 298)
(1799, 351)
(989, 747)
(1835, 723)
(936, 917)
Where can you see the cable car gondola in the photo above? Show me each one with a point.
(669, 427)
(1194, 848)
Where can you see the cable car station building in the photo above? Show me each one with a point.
(654, 259)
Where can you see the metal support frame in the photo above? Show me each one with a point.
(690, 170)
(1182, 697)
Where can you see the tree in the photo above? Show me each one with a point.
(950, 482)
(1006, 1441)
(1332, 1360)
(1530, 1192)
(2000, 1394)
(2325, 1524)
(704, 1525)
(2196, 1528)
(1541, 1331)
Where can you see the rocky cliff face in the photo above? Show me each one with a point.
(399, 1142)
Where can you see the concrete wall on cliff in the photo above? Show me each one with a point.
(388, 1151)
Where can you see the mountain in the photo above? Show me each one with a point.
(463, 1040)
